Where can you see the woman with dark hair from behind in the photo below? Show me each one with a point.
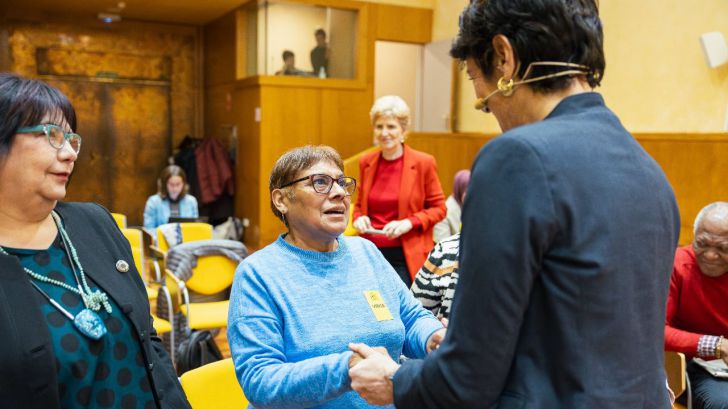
(75, 322)
(172, 199)
(569, 232)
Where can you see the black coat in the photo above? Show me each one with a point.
(27, 363)
(569, 234)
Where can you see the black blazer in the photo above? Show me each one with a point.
(569, 233)
(27, 364)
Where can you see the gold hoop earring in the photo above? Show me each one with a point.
(505, 86)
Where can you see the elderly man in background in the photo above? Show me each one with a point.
(697, 307)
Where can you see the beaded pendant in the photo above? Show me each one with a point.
(89, 324)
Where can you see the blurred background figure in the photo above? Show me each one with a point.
(434, 285)
(320, 55)
(451, 223)
(400, 198)
(77, 330)
(289, 65)
(172, 199)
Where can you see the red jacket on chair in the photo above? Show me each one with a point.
(420, 196)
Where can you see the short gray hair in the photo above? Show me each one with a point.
(296, 160)
(391, 105)
(721, 207)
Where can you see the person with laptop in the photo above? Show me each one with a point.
(172, 199)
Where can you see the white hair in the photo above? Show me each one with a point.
(719, 207)
(391, 105)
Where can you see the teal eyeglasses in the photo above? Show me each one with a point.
(56, 137)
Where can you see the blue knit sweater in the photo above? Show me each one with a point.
(293, 313)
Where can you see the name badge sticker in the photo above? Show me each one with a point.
(379, 308)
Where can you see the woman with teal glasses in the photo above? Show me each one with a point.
(74, 317)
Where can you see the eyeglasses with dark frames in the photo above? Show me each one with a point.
(56, 137)
(323, 183)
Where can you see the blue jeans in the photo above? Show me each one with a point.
(708, 392)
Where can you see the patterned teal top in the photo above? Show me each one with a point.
(108, 373)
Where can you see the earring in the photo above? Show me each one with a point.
(505, 86)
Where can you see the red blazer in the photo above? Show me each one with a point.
(420, 196)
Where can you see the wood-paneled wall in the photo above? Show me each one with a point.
(695, 165)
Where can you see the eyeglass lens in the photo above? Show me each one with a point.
(57, 138)
(323, 183)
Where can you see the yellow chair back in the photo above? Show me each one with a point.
(675, 370)
(190, 232)
(120, 220)
(136, 241)
(212, 275)
(214, 386)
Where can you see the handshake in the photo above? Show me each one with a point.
(371, 369)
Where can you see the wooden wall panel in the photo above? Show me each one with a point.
(221, 50)
(695, 165)
(247, 167)
(403, 24)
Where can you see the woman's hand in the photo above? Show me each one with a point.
(435, 339)
(724, 349)
(397, 228)
(363, 224)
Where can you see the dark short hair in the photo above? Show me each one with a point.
(168, 173)
(287, 53)
(25, 102)
(539, 30)
(320, 32)
(297, 160)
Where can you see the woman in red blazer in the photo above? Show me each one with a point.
(400, 199)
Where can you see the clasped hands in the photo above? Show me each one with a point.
(392, 229)
(371, 369)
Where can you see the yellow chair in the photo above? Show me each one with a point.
(350, 230)
(136, 241)
(675, 368)
(203, 315)
(190, 232)
(214, 386)
(120, 220)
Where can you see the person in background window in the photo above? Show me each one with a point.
(74, 316)
(172, 199)
(697, 313)
(289, 65)
(451, 223)
(400, 198)
(320, 55)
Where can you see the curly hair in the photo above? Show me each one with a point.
(538, 30)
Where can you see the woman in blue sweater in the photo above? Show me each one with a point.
(171, 200)
(297, 303)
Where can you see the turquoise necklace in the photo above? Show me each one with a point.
(87, 321)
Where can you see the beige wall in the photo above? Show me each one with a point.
(656, 78)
